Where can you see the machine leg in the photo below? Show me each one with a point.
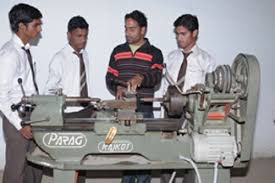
(61, 176)
(207, 176)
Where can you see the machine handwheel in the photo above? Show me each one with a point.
(240, 69)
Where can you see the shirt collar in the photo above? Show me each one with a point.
(71, 50)
(19, 42)
(144, 45)
(195, 50)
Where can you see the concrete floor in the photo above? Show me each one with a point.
(261, 171)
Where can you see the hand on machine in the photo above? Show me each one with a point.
(128, 89)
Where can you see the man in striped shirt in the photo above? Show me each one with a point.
(139, 64)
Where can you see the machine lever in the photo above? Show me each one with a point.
(21, 86)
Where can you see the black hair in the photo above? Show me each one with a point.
(22, 13)
(137, 16)
(188, 21)
(77, 22)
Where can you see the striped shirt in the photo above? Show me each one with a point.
(147, 61)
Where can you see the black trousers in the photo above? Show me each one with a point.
(17, 168)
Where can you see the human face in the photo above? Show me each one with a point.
(185, 38)
(30, 30)
(78, 38)
(133, 32)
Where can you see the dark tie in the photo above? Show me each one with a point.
(183, 67)
(32, 69)
(83, 82)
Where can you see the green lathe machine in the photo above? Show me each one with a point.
(208, 130)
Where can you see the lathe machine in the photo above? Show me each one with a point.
(207, 130)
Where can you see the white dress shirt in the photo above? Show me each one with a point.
(199, 63)
(64, 72)
(14, 64)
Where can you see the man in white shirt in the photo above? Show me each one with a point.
(199, 62)
(69, 70)
(187, 65)
(16, 62)
(66, 67)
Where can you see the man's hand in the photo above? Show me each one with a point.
(135, 82)
(26, 132)
(120, 92)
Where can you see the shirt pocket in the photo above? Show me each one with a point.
(195, 74)
(194, 69)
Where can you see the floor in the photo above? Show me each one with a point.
(260, 171)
